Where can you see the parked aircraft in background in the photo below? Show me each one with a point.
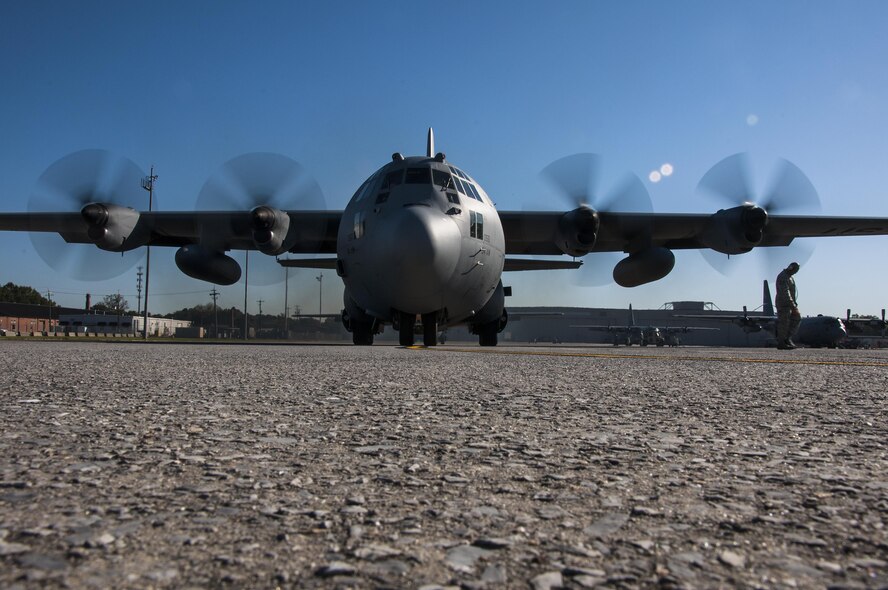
(420, 239)
(814, 331)
(865, 326)
(633, 333)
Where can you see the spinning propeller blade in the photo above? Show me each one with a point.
(790, 192)
(577, 179)
(70, 183)
(257, 179)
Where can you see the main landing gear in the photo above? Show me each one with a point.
(407, 325)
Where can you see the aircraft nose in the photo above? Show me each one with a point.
(420, 251)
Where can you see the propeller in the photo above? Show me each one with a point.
(68, 185)
(577, 178)
(730, 182)
(264, 180)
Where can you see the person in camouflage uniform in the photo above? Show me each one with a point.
(788, 316)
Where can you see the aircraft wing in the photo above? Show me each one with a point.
(314, 231)
(683, 329)
(747, 322)
(602, 328)
(539, 232)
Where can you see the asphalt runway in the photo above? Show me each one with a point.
(150, 465)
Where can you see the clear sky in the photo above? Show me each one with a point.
(508, 87)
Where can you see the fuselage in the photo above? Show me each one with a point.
(821, 330)
(420, 237)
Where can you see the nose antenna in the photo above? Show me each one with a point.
(430, 144)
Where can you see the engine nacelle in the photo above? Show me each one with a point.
(208, 265)
(651, 264)
(270, 229)
(737, 230)
(577, 231)
(114, 228)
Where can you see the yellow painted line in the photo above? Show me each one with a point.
(723, 359)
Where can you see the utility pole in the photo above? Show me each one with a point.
(286, 307)
(259, 319)
(117, 305)
(320, 279)
(138, 290)
(148, 185)
(246, 285)
(49, 304)
(214, 294)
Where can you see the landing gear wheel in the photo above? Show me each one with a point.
(405, 330)
(429, 329)
(362, 334)
(487, 334)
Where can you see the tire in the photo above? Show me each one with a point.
(487, 335)
(362, 334)
(405, 329)
(429, 330)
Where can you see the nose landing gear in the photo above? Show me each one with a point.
(407, 329)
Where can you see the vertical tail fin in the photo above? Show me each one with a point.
(430, 144)
(767, 304)
(631, 316)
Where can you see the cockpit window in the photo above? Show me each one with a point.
(442, 179)
(366, 188)
(418, 176)
(458, 172)
(391, 179)
(475, 193)
(476, 225)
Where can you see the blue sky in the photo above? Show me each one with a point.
(508, 86)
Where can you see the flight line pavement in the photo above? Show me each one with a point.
(150, 465)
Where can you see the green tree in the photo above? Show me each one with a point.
(12, 293)
(115, 303)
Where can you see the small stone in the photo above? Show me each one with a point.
(732, 559)
(13, 548)
(335, 568)
(462, 558)
(547, 581)
(376, 551)
(42, 561)
(829, 566)
(492, 543)
(644, 511)
(607, 524)
(494, 573)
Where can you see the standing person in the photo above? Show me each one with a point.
(788, 316)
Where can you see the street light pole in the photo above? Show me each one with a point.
(215, 294)
(286, 306)
(49, 302)
(259, 319)
(246, 286)
(148, 185)
(320, 279)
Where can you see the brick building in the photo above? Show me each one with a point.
(25, 318)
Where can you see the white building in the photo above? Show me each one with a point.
(110, 323)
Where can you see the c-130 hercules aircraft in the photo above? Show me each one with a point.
(420, 239)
